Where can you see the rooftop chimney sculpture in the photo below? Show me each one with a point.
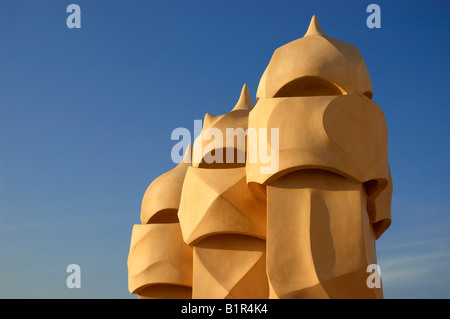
(224, 229)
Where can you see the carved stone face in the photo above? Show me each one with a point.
(317, 91)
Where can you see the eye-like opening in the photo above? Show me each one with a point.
(164, 291)
(228, 158)
(165, 216)
(369, 94)
(309, 86)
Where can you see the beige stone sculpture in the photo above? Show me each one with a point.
(159, 261)
(218, 226)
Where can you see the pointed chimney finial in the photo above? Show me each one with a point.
(245, 100)
(314, 27)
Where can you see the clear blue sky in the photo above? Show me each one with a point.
(86, 117)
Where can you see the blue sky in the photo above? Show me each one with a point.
(86, 117)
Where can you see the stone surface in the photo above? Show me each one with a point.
(222, 227)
